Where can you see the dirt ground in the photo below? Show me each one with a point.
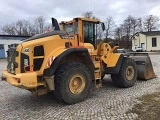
(148, 108)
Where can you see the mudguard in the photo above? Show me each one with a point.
(51, 70)
(116, 68)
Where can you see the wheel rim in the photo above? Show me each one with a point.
(129, 72)
(77, 84)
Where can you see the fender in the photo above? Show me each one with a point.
(116, 68)
(84, 51)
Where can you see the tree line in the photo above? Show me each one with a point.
(124, 31)
(129, 26)
(26, 27)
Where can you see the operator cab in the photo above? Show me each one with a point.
(85, 28)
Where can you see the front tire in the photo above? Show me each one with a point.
(72, 83)
(102, 76)
(127, 75)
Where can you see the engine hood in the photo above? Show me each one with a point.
(55, 32)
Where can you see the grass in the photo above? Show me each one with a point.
(149, 108)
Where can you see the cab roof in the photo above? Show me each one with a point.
(80, 18)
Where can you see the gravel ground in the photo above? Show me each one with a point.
(108, 102)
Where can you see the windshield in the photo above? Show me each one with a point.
(71, 29)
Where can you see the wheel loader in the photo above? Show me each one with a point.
(66, 62)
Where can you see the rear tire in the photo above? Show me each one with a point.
(127, 75)
(72, 83)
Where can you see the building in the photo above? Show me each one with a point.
(149, 41)
(6, 40)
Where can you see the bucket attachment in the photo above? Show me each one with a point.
(144, 65)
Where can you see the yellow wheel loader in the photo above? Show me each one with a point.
(67, 61)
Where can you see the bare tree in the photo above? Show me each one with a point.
(131, 25)
(150, 23)
(139, 25)
(48, 27)
(127, 27)
(18, 28)
(134, 25)
(128, 24)
(110, 25)
(99, 32)
(89, 15)
(40, 24)
(24, 27)
(126, 30)
(8, 29)
(27, 28)
(118, 33)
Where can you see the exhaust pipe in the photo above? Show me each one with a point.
(55, 24)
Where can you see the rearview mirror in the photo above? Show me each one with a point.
(103, 26)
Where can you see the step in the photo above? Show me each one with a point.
(97, 64)
(97, 74)
(98, 83)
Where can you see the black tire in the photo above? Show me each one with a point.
(65, 88)
(126, 80)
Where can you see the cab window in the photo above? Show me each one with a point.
(71, 29)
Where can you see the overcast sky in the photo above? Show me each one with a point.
(13, 10)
